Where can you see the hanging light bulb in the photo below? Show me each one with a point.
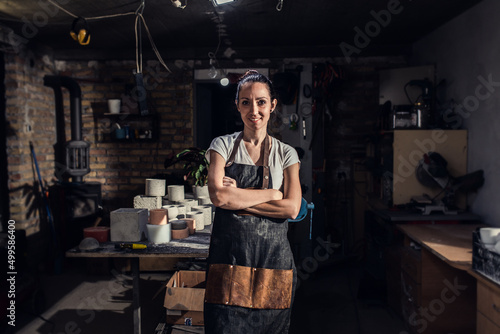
(224, 81)
(212, 72)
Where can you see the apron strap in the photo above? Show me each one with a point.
(235, 149)
(266, 151)
(265, 181)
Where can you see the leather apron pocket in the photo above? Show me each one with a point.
(257, 288)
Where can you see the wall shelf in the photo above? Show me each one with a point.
(140, 128)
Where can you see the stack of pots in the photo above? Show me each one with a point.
(196, 209)
(159, 230)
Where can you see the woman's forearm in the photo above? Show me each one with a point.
(284, 208)
(232, 198)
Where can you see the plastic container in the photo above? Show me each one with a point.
(100, 233)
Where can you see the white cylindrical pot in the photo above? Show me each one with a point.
(181, 208)
(203, 200)
(165, 201)
(200, 191)
(159, 234)
(199, 218)
(188, 203)
(155, 187)
(175, 193)
(212, 211)
(172, 211)
(207, 213)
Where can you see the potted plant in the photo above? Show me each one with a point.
(195, 167)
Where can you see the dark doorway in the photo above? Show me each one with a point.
(216, 112)
(4, 190)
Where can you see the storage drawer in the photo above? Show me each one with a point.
(485, 325)
(410, 314)
(488, 303)
(411, 263)
(411, 290)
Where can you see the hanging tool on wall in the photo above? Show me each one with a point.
(305, 108)
(80, 31)
(54, 251)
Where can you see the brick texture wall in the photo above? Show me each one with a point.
(30, 117)
(120, 166)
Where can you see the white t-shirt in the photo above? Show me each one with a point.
(281, 156)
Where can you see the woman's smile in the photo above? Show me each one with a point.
(255, 105)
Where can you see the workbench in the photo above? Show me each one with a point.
(439, 294)
(405, 216)
(194, 246)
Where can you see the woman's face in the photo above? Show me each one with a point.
(255, 105)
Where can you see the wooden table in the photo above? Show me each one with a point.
(404, 216)
(435, 265)
(194, 246)
(450, 243)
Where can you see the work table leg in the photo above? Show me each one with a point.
(136, 304)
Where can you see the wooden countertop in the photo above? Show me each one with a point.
(450, 243)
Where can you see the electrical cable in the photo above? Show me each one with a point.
(213, 55)
(153, 45)
(442, 190)
(89, 18)
(279, 6)
(61, 8)
(138, 13)
(138, 38)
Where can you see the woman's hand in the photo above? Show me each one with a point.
(278, 195)
(229, 182)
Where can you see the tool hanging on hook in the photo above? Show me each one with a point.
(80, 31)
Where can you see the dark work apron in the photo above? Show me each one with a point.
(251, 275)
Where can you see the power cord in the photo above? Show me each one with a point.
(138, 14)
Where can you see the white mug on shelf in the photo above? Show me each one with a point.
(114, 106)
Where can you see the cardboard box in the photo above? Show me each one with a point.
(184, 298)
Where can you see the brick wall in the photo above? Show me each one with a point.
(120, 167)
(30, 117)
